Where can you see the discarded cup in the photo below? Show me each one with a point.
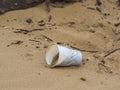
(57, 55)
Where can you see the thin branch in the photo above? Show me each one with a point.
(113, 51)
(48, 39)
(27, 31)
(92, 51)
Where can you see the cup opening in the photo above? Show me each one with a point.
(52, 55)
(55, 59)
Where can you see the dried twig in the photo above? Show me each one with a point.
(24, 31)
(98, 9)
(48, 39)
(33, 40)
(18, 42)
(90, 8)
(92, 51)
(111, 52)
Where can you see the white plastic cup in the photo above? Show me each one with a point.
(57, 55)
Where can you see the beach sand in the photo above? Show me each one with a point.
(26, 34)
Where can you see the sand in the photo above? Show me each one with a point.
(79, 25)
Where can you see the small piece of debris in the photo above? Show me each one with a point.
(83, 79)
(41, 23)
(47, 38)
(24, 31)
(18, 42)
(117, 24)
(29, 21)
(59, 43)
(90, 8)
(106, 14)
(34, 40)
(71, 24)
(92, 30)
(98, 9)
(37, 47)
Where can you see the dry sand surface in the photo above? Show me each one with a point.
(26, 34)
